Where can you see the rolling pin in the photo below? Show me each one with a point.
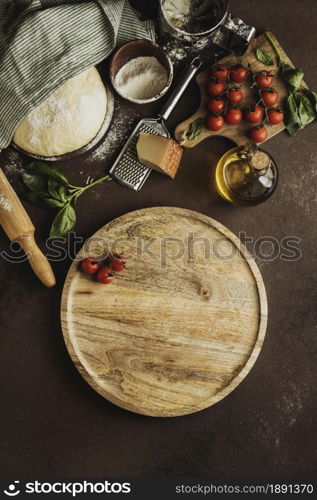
(18, 227)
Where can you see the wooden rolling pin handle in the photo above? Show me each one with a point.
(18, 227)
(37, 259)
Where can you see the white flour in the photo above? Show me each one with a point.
(57, 111)
(13, 163)
(176, 50)
(193, 16)
(121, 127)
(4, 202)
(177, 12)
(141, 78)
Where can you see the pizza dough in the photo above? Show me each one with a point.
(68, 120)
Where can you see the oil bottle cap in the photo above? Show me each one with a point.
(260, 160)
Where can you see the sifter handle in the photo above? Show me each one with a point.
(182, 85)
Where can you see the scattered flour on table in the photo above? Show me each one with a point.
(13, 163)
(4, 202)
(141, 78)
(299, 190)
(176, 50)
(292, 401)
(120, 128)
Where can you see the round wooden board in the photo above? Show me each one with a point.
(180, 328)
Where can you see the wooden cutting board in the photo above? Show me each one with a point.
(238, 134)
(180, 328)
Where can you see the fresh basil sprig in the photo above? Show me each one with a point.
(48, 186)
(264, 57)
(301, 105)
(195, 129)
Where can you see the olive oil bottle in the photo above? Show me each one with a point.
(246, 175)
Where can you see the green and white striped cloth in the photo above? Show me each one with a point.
(43, 43)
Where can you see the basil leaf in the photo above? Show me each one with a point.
(64, 222)
(264, 57)
(312, 96)
(292, 119)
(284, 68)
(41, 168)
(51, 202)
(56, 190)
(41, 200)
(31, 197)
(292, 77)
(295, 79)
(195, 129)
(35, 183)
(306, 111)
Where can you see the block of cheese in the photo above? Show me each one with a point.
(160, 153)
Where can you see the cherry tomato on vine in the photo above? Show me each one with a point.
(233, 116)
(89, 266)
(239, 74)
(216, 88)
(105, 275)
(264, 80)
(270, 97)
(259, 134)
(275, 116)
(117, 262)
(254, 115)
(216, 105)
(235, 96)
(215, 123)
(220, 72)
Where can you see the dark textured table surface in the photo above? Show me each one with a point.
(53, 423)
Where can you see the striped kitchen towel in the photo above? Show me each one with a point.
(43, 43)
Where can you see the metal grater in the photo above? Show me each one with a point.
(127, 169)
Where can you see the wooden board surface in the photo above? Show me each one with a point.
(180, 328)
(238, 134)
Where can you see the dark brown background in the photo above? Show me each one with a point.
(53, 423)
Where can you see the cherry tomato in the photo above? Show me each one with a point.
(216, 89)
(270, 97)
(258, 134)
(233, 116)
(254, 115)
(117, 263)
(105, 275)
(275, 116)
(216, 106)
(235, 96)
(264, 81)
(219, 72)
(215, 123)
(239, 74)
(89, 266)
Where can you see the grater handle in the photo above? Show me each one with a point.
(185, 79)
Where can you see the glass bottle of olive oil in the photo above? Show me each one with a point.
(246, 175)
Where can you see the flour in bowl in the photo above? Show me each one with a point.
(141, 78)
